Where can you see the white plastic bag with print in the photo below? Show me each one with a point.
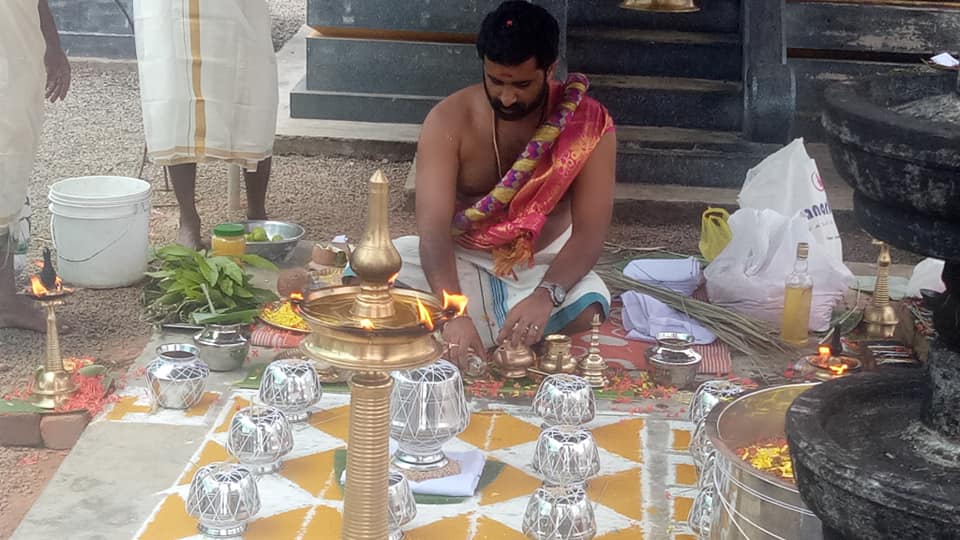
(749, 274)
(788, 182)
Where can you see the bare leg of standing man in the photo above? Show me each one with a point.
(256, 185)
(184, 180)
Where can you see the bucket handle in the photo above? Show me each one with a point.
(53, 233)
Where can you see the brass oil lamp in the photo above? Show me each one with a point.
(662, 6)
(880, 317)
(52, 384)
(371, 329)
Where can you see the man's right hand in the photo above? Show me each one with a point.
(462, 340)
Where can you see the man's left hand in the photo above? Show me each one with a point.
(527, 320)
(58, 74)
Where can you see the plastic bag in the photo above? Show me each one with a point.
(788, 182)
(748, 276)
(714, 232)
(927, 274)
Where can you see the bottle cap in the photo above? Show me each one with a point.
(803, 249)
(228, 230)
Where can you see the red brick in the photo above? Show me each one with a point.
(20, 429)
(61, 431)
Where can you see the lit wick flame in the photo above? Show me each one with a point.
(839, 369)
(454, 302)
(296, 297)
(824, 351)
(40, 291)
(423, 316)
(366, 324)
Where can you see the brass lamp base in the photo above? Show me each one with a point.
(661, 6)
(880, 321)
(52, 388)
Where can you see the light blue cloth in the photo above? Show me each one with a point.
(644, 317)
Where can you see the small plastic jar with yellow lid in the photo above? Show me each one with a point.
(229, 240)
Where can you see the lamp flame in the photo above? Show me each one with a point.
(296, 297)
(839, 369)
(423, 316)
(39, 290)
(393, 279)
(824, 351)
(366, 324)
(454, 302)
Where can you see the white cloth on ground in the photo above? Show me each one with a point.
(680, 275)
(22, 79)
(490, 298)
(644, 317)
(208, 80)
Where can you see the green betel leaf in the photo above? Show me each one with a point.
(257, 261)
(209, 272)
(226, 286)
(229, 317)
(174, 251)
(161, 275)
(229, 268)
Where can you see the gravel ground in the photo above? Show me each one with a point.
(98, 130)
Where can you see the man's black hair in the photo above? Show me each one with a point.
(517, 31)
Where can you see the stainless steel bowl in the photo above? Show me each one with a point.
(223, 496)
(710, 394)
(556, 513)
(566, 455)
(223, 347)
(291, 385)
(259, 437)
(176, 378)
(427, 409)
(276, 252)
(672, 361)
(564, 399)
(401, 506)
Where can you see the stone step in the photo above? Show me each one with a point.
(714, 16)
(692, 157)
(670, 101)
(359, 107)
(663, 53)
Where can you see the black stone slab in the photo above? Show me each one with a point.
(860, 460)
(395, 67)
(714, 16)
(360, 107)
(667, 101)
(624, 51)
(872, 27)
(414, 15)
(910, 231)
(890, 157)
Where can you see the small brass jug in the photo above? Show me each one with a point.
(557, 357)
(514, 361)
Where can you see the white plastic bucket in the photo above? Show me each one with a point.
(100, 228)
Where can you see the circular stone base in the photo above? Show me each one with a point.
(863, 460)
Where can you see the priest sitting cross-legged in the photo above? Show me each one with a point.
(514, 192)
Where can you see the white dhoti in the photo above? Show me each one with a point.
(208, 80)
(22, 78)
(490, 298)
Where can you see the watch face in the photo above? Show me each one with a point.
(559, 295)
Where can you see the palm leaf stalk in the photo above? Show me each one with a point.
(741, 332)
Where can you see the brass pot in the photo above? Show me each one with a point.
(556, 356)
(664, 6)
(514, 361)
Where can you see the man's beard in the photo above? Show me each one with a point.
(517, 111)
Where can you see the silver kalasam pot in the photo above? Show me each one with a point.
(747, 503)
(672, 361)
(223, 347)
(176, 378)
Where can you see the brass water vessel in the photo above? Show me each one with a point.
(557, 356)
(371, 329)
(513, 361)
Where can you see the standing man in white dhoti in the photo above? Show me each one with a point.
(208, 87)
(30, 56)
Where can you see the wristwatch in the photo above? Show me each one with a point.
(557, 293)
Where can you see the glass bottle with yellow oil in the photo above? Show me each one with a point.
(797, 296)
